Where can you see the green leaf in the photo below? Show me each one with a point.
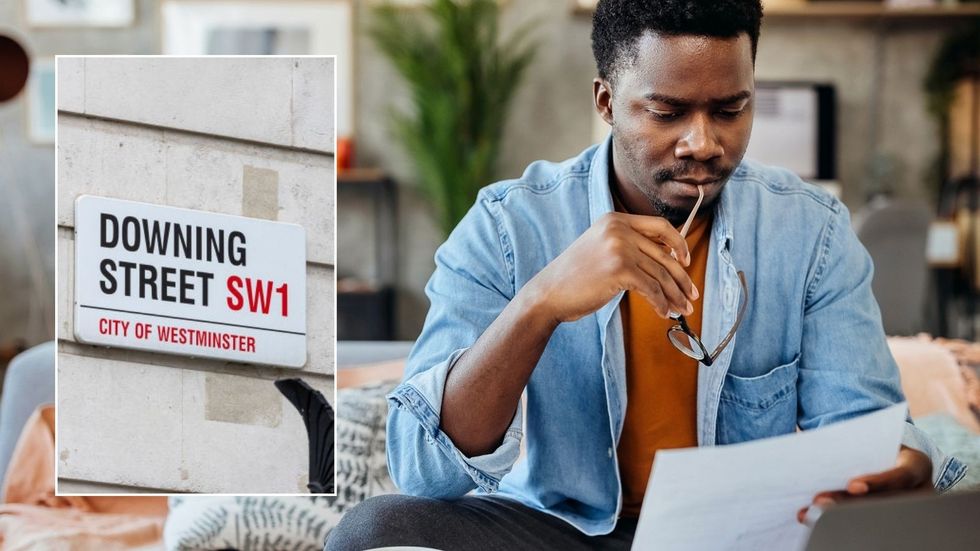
(461, 77)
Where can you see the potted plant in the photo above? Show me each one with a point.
(462, 78)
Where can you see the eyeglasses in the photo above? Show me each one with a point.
(687, 342)
(681, 335)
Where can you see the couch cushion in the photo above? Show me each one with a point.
(29, 382)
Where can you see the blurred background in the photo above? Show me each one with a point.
(874, 99)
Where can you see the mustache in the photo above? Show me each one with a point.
(684, 169)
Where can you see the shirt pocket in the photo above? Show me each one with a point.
(758, 407)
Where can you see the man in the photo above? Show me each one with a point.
(560, 287)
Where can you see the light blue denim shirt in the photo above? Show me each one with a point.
(810, 351)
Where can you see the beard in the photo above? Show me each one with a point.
(677, 214)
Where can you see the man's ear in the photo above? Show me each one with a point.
(602, 98)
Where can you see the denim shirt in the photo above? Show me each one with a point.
(810, 351)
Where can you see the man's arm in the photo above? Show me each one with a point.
(620, 252)
(846, 367)
(485, 386)
(462, 404)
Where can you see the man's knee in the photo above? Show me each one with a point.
(385, 521)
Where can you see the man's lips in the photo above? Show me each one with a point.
(685, 189)
(697, 181)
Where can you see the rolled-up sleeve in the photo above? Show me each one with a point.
(471, 285)
(946, 469)
(846, 367)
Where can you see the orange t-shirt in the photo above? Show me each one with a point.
(661, 382)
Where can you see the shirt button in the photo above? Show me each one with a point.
(609, 451)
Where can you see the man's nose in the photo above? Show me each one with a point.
(699, 141)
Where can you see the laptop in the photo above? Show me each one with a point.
(947, 523)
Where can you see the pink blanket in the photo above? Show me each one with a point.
(933, 379)
(33, 517)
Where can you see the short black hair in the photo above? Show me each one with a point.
(617, 25)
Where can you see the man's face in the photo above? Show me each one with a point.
(681, 114)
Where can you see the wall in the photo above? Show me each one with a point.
(191, 133)
(551, 118)
(27, 229)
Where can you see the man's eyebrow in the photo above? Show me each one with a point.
(734, 98)
(669, 100)
(681, 102)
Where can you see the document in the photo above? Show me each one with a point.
(745, 496)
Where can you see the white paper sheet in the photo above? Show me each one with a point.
(745, 496)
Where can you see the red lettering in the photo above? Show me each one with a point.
(258, 295)
(109, 326)
(262, 296)
(284, 291)
(235, 300)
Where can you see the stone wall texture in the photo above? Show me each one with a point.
(245, 136)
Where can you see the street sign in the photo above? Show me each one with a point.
(189, 282)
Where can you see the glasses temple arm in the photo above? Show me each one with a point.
(738, 320)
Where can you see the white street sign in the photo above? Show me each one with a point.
(189, 282)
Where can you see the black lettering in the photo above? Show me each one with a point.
(186, 286)
(198, 240)
(182, 241)
(108, 285)
(109, 221)
(127, 269)
(131, 237)
(216, 244)
(236, 254)
(205, 277)
(167, 283)
(148, 278)
(155, 241)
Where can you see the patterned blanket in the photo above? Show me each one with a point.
(254, 523)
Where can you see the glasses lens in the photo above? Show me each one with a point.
(683, 342)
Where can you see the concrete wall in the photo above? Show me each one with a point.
(250, 137)
(552, 118)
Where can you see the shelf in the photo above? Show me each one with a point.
(854, 10)
(353, 285)
(869, 10)
(366, 308)
(366, 315)
(361, 175)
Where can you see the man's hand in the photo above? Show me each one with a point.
(912, 473)
(620, 252)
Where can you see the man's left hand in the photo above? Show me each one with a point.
(912, 473)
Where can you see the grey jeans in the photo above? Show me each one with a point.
(484, 523)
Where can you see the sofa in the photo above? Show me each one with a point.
(939, 378)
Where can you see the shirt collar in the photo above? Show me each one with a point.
(600, 196)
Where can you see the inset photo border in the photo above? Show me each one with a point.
(196, 281)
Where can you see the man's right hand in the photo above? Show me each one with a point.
(620, 252)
